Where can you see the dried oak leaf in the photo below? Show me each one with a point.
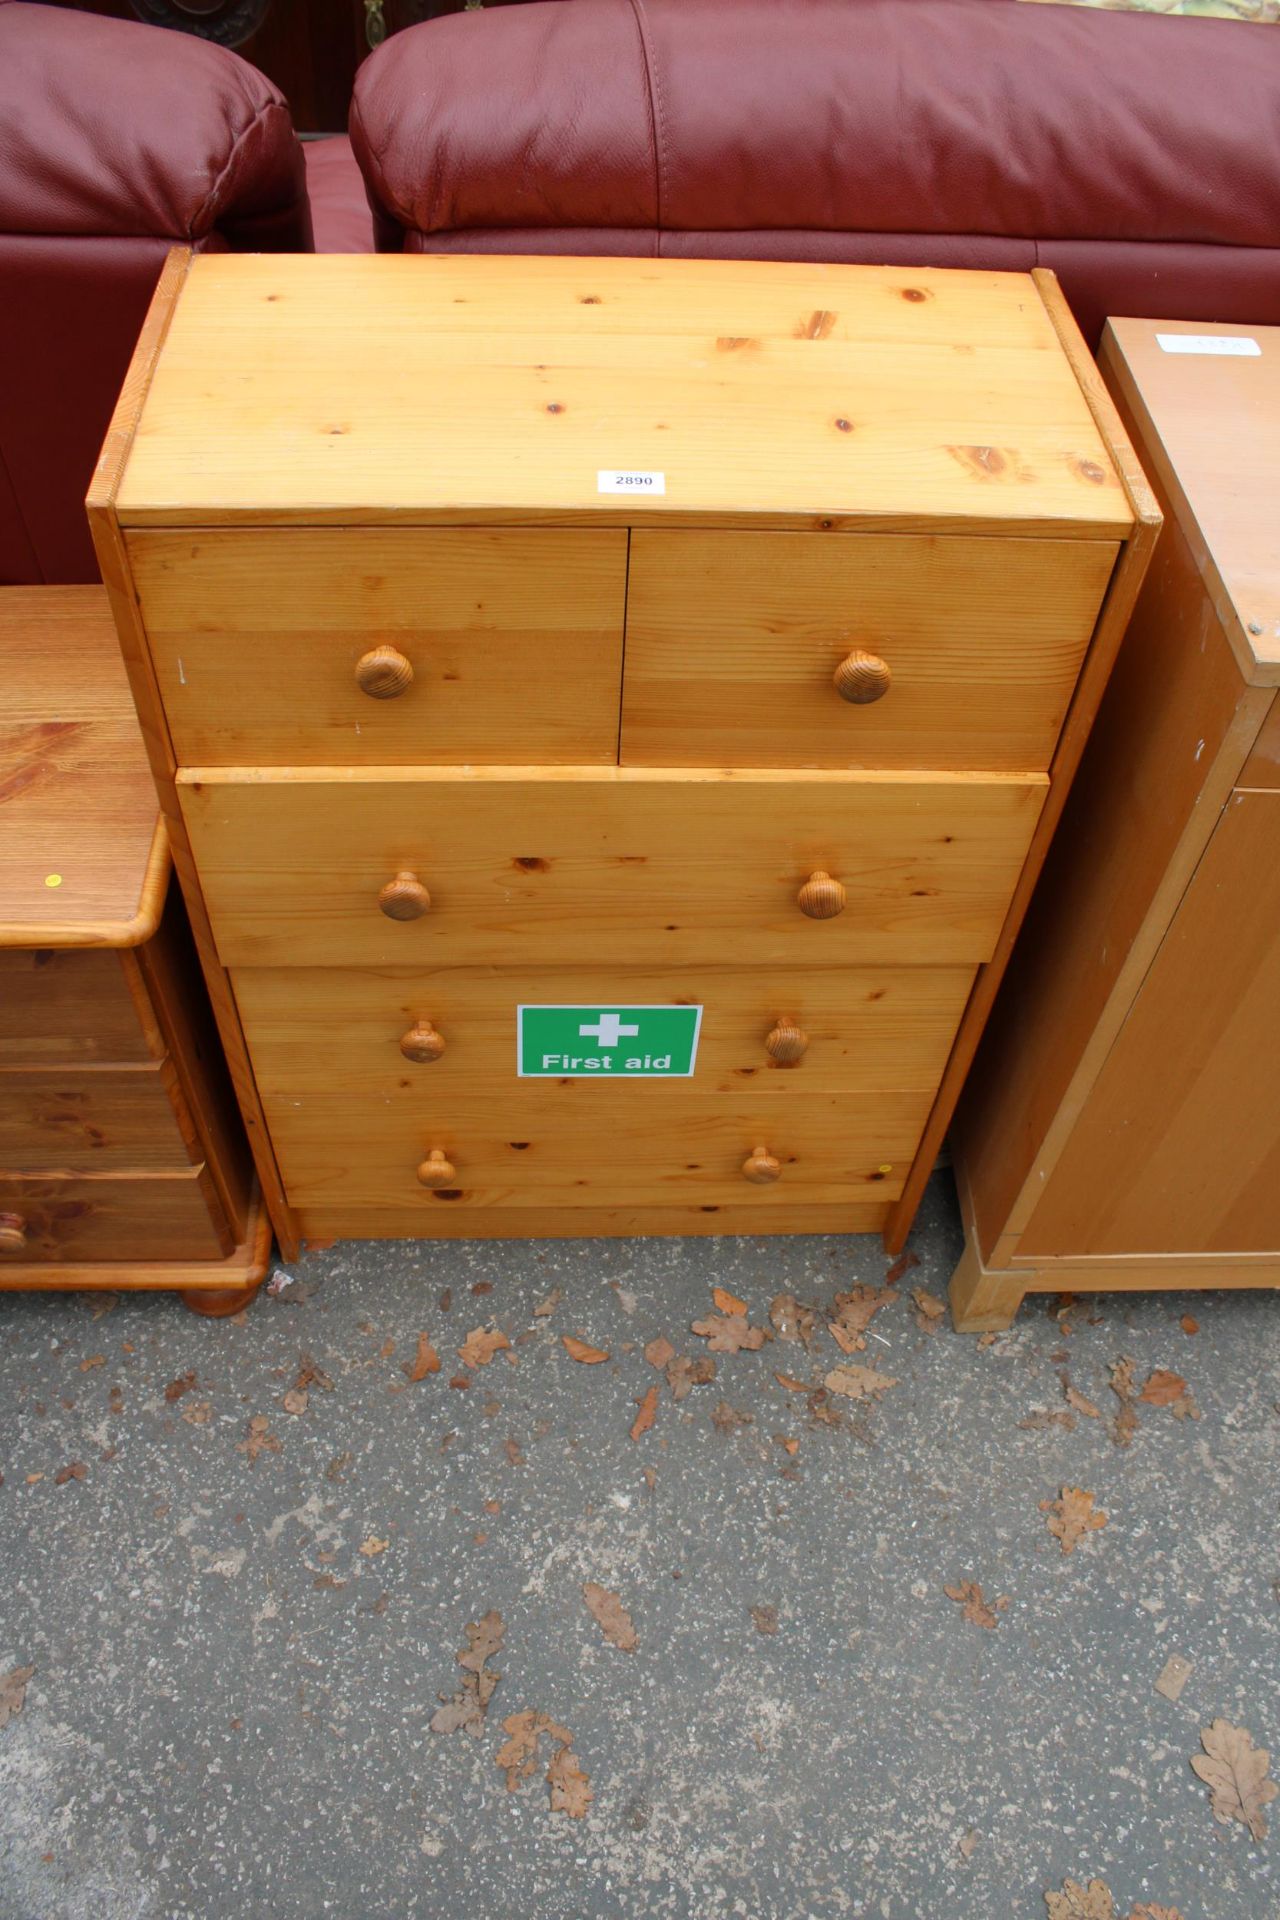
(198, 1413)
(548, 1306)
(183, 1384)
(258, 1439)
(518, 1758)
(74, 1470)
(727, 1419)
(683, 1374)
(372, 1545)
(1077, 1902)
(1044, 1417)
(969, 1596)
(612, 1618)
(851, 1314)
(580, 1351)
(570, 1788)
(648, 1405)
(730, 1333)
(929, 1310)
(1236, 1774)
(1165, 1389)
(310, 1375)
(13, 1692)
(425, 1361)
(480, 1345)
(465, 1712)
(857, 1383)
(660, 1352)
(484, 1638)
(1072, 1515)
(791, 1321)
(1125, 1424)
(1076, 1399)
(765, 1618)
(295, 1401)
(511, 1447)
(728, 1302)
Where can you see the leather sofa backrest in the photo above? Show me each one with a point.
(117, 141)
(1138, 155)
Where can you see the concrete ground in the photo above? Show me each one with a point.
(240, 1633)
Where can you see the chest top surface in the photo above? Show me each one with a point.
(350, 389)
(1206, 403)
(83, 861)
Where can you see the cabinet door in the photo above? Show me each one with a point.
(1178, 1147)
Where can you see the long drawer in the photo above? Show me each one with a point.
(952, 651)
(90, 1119)
(784, 1031)
(159, 1216)
(378, 645)
(622, 865)
(583, 1144)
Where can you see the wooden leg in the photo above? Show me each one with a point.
(218, 1302)
(983, 1302)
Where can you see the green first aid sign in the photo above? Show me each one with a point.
(607, 1043)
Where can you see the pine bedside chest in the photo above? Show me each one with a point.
(610, 714)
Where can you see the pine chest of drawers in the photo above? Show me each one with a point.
(609, 636)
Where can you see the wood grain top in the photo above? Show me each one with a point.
(296, 389)
(83, 857)
(1209, 430)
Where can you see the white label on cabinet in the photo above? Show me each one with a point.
(1233, 343)
(628, 480)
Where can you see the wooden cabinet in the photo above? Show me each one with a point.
(623, 671)
(1122, 1128)
(123, 1162)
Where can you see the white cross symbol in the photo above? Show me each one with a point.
(608, 1030)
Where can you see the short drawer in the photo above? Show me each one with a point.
(791, 1033)
(162, 1216)
(951, 651)
(89, 1119)
(580, 1144)
(522, 867)
(386, 646)
(67, 1003)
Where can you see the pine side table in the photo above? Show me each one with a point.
(123, 1162)
(1122, 1125)
(609, 714)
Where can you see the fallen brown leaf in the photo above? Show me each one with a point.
(13, 1692)
(791, 1321)
(683, 1374)
(730, 1333)
(1076, 1399)
(660, 1352)
(518, 1758)
(1077, 1902)
(727, 1419)
(728, 1302)
(851, 1314)
(576, 1349)
(929, 1310)
(1043, 1417)
(792, 1385)
(612, 1618)
(1236, 1774)
(549, 1305)
(1173, 1677)
(570, 1788)
(74, 1470)
(511, 1447)
(183, 1384)
(1072, 1515)
(1125, 1424)
(484, 1638)
(91, 1361)
(425, 1361)
(765, 1618)
(903, 1264)
(480, 1345)
(1189, 1325)
(258, 1439)
(856, 1383)
(648, 1405)
(1165, 1389)
(466, 1710)
(969, 1596)
(373, 1545)
(311, 1375)
(198, 1413)
(295, 1401)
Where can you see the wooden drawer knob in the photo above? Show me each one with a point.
(861, 678)
(821, 897)
(383, 673)
(404, 898)
(436, 1170)
(760, 1167)
(13, 1233)
(422, 1043)
(787, 1043)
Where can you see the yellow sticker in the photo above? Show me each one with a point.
(888, 1168)
(53, 879)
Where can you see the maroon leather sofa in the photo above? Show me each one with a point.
(1137, 155)
(117, 141)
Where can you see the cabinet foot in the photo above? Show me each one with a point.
(983, 1302)
(217, 1302)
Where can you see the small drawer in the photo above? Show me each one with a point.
(68, 1004)
(381, 646)
(786, 1033)
(161, 1216)
(90, 1119)
(854, 650)
(584, 1144)
(501, 867)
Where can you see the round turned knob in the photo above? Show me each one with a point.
(13, 1233)
(821, 897)
(761, 1168)
(404, 898)
(861, 678)
(436, 1171)
(422, 1043)
(787, 1043)
(383, 673)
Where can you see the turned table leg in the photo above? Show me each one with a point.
(217, 1302)
(983, 1302)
